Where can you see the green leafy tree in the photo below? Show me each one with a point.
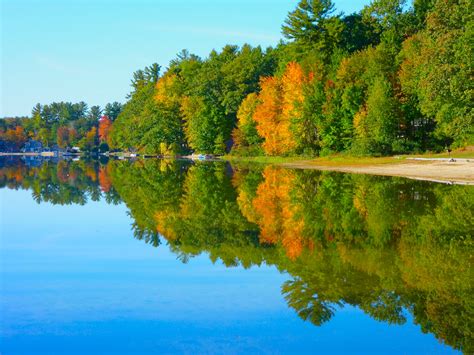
(112, 110)
(437, 70)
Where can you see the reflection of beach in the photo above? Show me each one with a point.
(22, 154)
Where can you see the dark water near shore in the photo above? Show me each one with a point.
(169, 256)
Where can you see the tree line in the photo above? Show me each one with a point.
(61, 124)
(388, 79)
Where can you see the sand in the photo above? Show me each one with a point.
(457, 172)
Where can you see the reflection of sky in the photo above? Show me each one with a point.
(74, 278)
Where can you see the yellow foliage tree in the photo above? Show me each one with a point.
(167, 90)
(293, 82)
(246, 132)
(268, 113)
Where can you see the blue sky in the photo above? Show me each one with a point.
(86, 50)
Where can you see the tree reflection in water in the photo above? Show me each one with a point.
(385, 245)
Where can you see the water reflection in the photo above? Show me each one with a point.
(385, 245)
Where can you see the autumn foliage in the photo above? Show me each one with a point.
(65, 136)
(105, 180)
(277, 214)
(245, 134)
(105, 125)
(268, 116)
(14, 137)
(279, 109)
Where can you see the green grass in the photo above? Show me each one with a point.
(347, 160)
(263, 159)
(335, 160)
(338, 160)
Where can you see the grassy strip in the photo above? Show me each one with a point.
(335, 160)
(347, 160)
(263, 159)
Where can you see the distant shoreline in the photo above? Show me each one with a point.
(436, 169)
(43, 154)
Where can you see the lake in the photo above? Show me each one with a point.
(208, 257)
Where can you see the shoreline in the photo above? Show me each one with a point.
(454, 168)
(440, 169)
(459, 171)
(43, 154)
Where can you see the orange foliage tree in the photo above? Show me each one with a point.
(277, 216)
(280, 108)
(268, 113)
(62, 135)
(62, 171)
(292, 81)
(105, 125)
(105, 180)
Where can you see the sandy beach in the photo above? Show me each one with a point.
(460, 171)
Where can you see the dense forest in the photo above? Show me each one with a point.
(391, 78)
(388, 246)
(388, 79)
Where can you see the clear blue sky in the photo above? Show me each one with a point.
(86, 50)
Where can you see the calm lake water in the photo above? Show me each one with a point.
(167, 256)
